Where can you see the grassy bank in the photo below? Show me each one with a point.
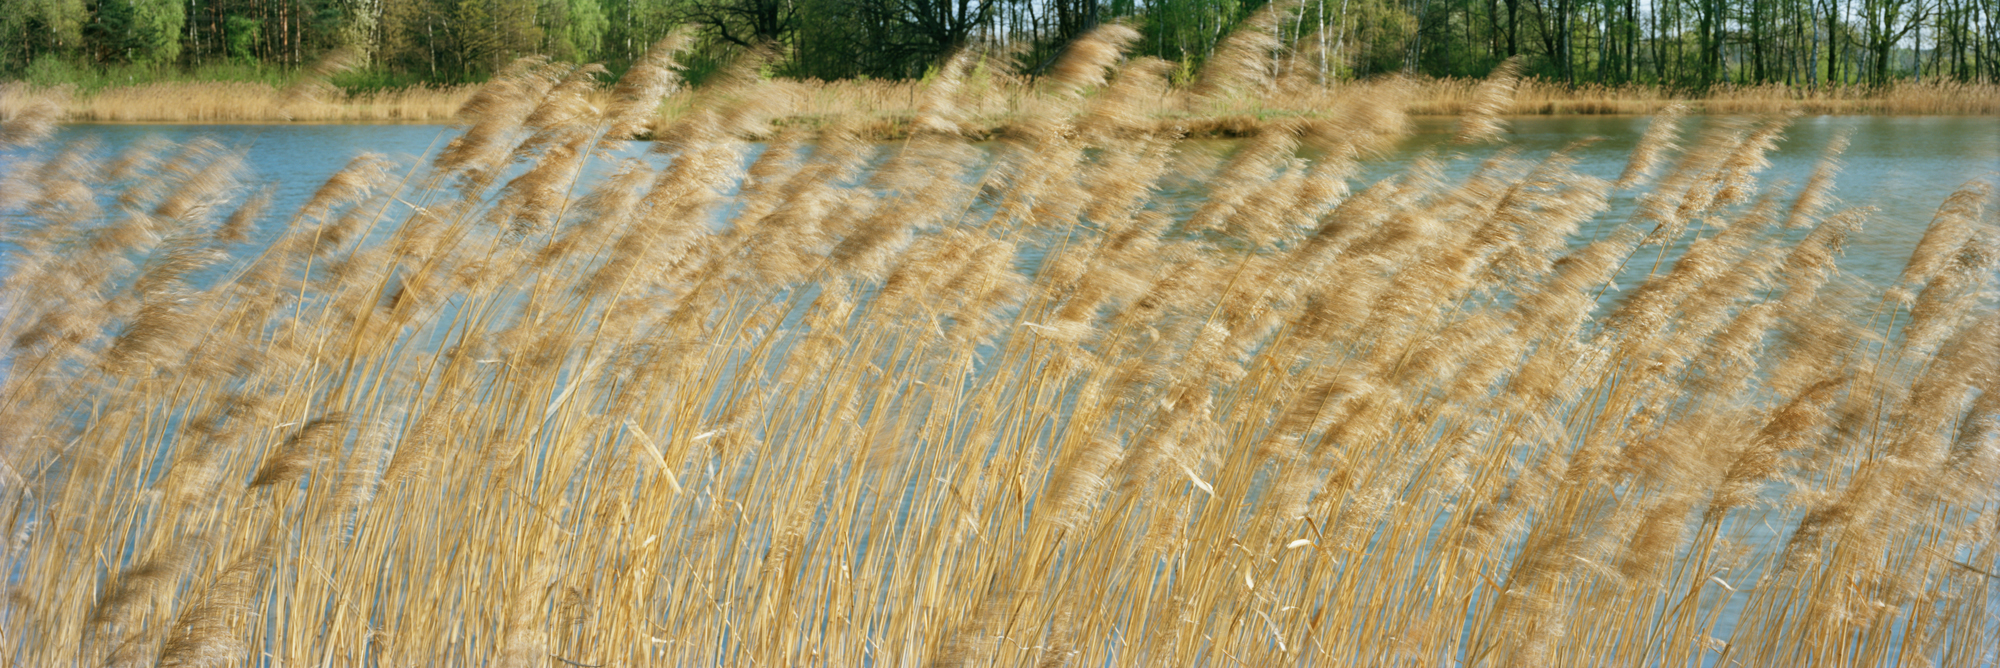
(852, 403)
(246, 102)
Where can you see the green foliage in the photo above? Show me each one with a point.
(1381, 35)
(379, 79)
(51, 70)
(241, 34)
(1187, 30)
(31, 29)
(143, 32)
(250, 71)
(581, 33)
(826, 47)
(62, 20)
(1690, 44)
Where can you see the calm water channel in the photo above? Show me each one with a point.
(1905, 166)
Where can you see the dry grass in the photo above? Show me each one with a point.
(255, 102)
(1451, 97)
(453, 414)
(988, 101)
(309, 100)
(991, 102)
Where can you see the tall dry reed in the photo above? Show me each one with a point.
(852, 403)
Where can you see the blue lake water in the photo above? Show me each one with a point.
(1903, 165)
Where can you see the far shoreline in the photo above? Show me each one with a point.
(882, 110)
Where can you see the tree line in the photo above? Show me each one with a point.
(1678, 43)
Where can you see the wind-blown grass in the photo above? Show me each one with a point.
(862, 404)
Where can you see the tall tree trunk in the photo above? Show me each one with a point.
(1631, 40)
(1832, 41)
(1757, 41)
(1563, 18)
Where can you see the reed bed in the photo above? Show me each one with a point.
(991, 99)
(237, 101)
(247, 102)
(841, 403)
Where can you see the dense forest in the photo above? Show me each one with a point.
(1679, 43)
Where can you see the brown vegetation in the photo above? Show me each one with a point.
(990, 101)
(225, 102)
(454, 414)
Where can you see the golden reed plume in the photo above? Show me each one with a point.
(1088, 394)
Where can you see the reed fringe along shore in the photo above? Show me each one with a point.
(845, 403)
(992, 101)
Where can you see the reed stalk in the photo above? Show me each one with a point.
(940, 402)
